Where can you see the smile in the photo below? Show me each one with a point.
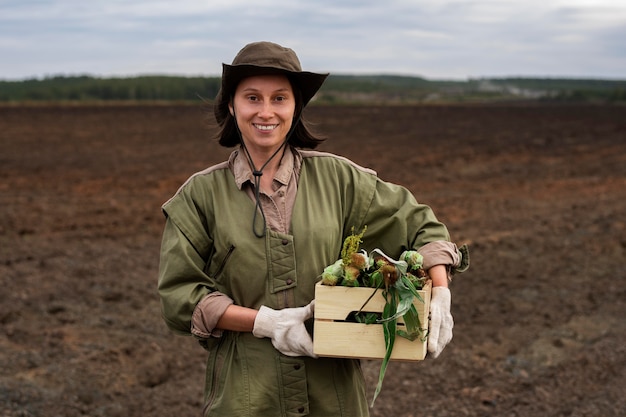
(265, 127)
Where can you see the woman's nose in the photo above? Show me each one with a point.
(266, 109)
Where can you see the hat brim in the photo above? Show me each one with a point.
(307, 82)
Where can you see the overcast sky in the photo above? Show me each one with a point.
(436, 39)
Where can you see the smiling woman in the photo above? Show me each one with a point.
(246, 293)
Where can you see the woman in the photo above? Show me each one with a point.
(245, 241)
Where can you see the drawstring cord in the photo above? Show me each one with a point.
(258, 172)
(257, 187)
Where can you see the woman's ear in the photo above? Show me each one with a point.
(231, 109)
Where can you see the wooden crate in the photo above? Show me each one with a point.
(335, 337)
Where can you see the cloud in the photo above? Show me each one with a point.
(432, 38)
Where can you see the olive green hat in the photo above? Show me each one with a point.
(264, 58)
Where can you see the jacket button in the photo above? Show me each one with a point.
(289, 281)
(285, 242)
(296, 366)
(301, 410)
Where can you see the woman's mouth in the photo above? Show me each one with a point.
(265, 127)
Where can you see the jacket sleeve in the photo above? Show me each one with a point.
(445, 253)
(185, 250)
(397, 222)
(182, 282)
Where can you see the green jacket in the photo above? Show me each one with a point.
(208, 245)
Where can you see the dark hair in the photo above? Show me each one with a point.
(302, 135)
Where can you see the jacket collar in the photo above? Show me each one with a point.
(240, 167)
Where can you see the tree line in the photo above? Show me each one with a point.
(337, 89)
(86, 88)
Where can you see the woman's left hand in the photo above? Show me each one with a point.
(441, 322)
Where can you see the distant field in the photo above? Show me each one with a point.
(374, 89)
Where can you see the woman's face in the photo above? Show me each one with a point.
(264, 107)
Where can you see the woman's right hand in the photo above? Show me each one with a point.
(286, 329)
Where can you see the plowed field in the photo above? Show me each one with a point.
(538, 191)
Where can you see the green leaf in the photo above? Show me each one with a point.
(366, 318)
(413, 325)
(405, 282)
(406, 301)
(389, 330)
(376, 279)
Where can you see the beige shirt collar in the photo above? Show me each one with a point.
(240, 167)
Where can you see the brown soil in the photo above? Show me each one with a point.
(539, 192)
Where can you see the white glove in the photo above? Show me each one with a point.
(286, 329)
(441, 323)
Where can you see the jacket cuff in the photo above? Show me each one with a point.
(445, 253)
(207, 313)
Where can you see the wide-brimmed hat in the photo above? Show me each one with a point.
(264, 58)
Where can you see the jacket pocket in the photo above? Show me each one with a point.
(222, 264)
(293, 386)
(215, 367)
